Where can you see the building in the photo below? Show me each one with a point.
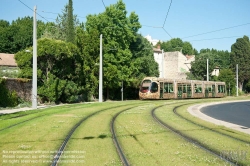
(173, 65)
(158, 56)
(152, 41)
(176, 65)
(8, 65)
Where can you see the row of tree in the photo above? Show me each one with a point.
(68, 56)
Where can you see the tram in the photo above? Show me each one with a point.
(161, 88)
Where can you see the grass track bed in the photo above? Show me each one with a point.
(142, 139)
(145, 142)
(214, 141)
(35, 134)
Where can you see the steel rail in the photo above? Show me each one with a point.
(190, 139)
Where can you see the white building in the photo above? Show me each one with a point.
(152, 41)
(173, 65)
(158, 58)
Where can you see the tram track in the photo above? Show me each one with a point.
(205, 127)
(27, 120)
(116, 143)
(192, 140)
(60, 151)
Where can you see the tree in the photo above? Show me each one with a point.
(143, 63)
(65, 26)
(227, 76)
(240, 54)
(118, 32)
(199, 66)
(176, 44)
(221, 58)
(58, 70)
(89, 47)
(70, 31)
(18, 35)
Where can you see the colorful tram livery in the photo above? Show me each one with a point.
(160, 88)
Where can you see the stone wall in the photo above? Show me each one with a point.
(23, 87)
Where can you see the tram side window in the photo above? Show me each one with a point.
(198, 88)
(221, 88)
(188, 88)
(168, 88)
(184, 88)
(154, 87)
(209, 88)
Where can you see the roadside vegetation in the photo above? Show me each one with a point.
(143, 140)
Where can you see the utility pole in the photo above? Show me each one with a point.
(100, 71)
(162, 52)
(122, 91)
(207, 71)
(34, 77)
(237, 92)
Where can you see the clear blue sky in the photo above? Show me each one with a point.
(185, 18)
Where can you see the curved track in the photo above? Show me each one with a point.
(189, 139)
(20, 122)
(224, 134)
(117, 145)
(67, 138)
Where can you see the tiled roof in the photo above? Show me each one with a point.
(7, 60)
(157, 50)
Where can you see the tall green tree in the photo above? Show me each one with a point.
(143, 63)
(18, 35)
(65, 26)
(118, 32)
(199, 67)
(221, 58)
(227, 76)
(70, 31)
(89, 47)
(240, 54)
(176, 44)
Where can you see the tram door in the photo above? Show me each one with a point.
(213, 90)
(161, 89)
(179, 93)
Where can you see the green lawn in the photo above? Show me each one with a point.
(143, 140)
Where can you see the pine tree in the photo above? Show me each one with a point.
(70, 32)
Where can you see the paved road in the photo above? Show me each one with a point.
(236, 113)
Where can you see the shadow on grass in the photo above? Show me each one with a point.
(102, 136)
(89, 137)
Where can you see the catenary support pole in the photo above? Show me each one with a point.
(207, 71)
(237, 81)
(162, 70)
(34, 77)
(100, 71)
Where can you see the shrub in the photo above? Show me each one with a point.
(7, 98)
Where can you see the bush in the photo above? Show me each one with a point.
(7, 98)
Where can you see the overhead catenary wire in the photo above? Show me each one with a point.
(167, 14)
(103, 4)
(33, 10)
(58, 13)
(217, 38)
(217, 30)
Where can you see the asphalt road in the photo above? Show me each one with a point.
(236, 113)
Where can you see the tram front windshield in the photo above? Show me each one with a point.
(145, 86)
